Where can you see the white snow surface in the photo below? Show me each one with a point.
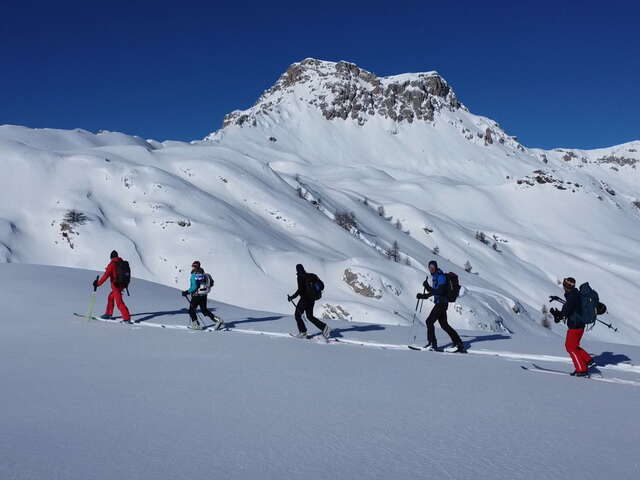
(85, 399)
(234, 201)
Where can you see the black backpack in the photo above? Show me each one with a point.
(590, 304)
(123, 274)
(453, 287)
(313, 286)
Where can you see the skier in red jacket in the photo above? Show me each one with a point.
(116, 291)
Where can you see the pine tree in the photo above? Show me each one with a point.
(394, 252)
(467, 267)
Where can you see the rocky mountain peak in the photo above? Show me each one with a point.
(342, 91)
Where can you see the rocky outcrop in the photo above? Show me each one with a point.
(343, 91)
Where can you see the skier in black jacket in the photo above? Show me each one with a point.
(439, 292)
(572, 312)
(306, 304)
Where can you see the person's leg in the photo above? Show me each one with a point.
(431, 329)
(124, 311)
(582, 353)
(109, 310)
(204, 308)
(193, 304)
(444, 324)
(308, 311)
(572, 344)
(299, 309)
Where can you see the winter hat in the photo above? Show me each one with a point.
(114, 254)
(569, 283)
(434, 263)
(299, 268)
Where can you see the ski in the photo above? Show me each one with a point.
(317, 338)
(439, 350)
(597, 377)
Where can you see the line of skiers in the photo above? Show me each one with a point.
(444, 288)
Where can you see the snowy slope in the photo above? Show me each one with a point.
(92, 400)
(262, 193)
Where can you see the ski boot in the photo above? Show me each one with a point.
(326, 332)
(219, 323)
(302, 335)
(432, 347)
(460, 348)
(106, 317)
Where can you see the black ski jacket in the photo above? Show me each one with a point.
(302, 288)
(572, 309)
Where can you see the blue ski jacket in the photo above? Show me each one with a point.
(438, 287)
(194, 282)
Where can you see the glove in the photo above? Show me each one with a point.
(423, 296)
(557, 316)
(426, 285)
(185, 293)
(289, 298)
(95, 284)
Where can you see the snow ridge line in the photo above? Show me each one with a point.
(386, 346)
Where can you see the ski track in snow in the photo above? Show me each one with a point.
(635, 369)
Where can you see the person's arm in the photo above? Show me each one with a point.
(570, 305)
(193, 286)
(107, 274)
(297, 292)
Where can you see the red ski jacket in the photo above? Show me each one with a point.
(110, 273)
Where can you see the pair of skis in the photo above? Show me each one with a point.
(210, 328)
(439, 350)
(313, 338)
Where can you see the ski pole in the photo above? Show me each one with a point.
(413, 320)
(92, 299)
(608, 325)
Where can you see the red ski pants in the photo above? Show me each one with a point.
(116, 296)
(579, 356)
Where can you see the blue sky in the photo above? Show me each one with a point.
(551, 73)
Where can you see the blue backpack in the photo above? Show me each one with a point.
(590, 300)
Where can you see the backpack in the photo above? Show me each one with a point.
(313, 286)
(453, 287)
(205, 284)
(589, 300)
(123, 275)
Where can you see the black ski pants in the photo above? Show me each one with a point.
(199, 301)
(439, 314)
(306, 306)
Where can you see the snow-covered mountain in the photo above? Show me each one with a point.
(338, 169)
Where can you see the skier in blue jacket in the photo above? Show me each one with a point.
(199, 287)
(438, 290)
